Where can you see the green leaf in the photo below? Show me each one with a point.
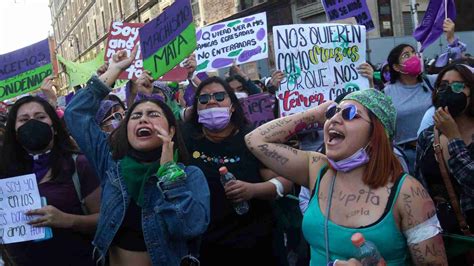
(232, 24)
(235, 53)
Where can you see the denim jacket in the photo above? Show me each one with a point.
(173, 215)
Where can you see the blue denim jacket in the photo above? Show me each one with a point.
(172, 214)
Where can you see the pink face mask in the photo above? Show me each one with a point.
(412, 66)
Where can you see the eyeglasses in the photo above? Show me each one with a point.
(348, 112)
(456, 87)
(117, 116)
(218, 96)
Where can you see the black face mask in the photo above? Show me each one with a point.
(456, 102)
(34, 135)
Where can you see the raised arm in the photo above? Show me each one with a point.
(265, 143)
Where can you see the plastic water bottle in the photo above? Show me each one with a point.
(367, 252)
(226, 176)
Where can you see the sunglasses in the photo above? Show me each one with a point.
(348, 112)
(218, 96)
(456, 87)
(117, 116)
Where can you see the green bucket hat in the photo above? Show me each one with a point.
(379, 104)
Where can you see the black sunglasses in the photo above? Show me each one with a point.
(218, 96)
(348, 112)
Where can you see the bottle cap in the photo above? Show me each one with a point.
(357, 239)
(223, 170)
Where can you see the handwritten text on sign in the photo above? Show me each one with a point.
(18, 195)
(243, 40)
(319, 61)
(168, 39)
(23, 70)
(124, 36)
(342, 9)
(258, 108)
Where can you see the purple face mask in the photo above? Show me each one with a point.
(214, 119)
(357, 159)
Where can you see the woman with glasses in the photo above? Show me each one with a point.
(358, 186)
(109, 115)
(36, 142)
(454, 120)
(215, 138)
(153, 207)
(411, 92)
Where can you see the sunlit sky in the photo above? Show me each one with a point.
(23, 22)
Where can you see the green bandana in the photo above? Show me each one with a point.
(135, 175)
(379, 104)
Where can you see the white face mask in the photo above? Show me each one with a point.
(241, 95)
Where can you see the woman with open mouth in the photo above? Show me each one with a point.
(358, 186)
(153, 208)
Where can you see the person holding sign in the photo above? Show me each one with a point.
(358, 186)
(215, 137)
(153, 208)
(36, 142)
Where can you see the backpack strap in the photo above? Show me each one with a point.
(427, 82)
(77, 186)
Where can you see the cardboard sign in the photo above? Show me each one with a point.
(23, 70)
(124, 36)
(320, 62)
(341, 9)
(168, 39)
(242, 40)
(258, 108)
(18, 195)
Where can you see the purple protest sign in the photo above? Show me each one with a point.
(258, 108)
(166, 27)
(342, 9)
(24, 59)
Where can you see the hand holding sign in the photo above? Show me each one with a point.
(50, 216)
(277, 77)
(47, 89)
(366, 70)
(190, 64)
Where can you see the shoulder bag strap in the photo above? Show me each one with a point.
(77, 186)
(449, 186)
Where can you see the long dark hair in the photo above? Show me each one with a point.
(118, 139)
(14, 159)
(238, 118)
(393, 59)
(468, 78)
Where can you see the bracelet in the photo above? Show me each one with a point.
(278, 187)
(170, 172)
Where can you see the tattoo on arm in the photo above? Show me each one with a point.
(273, 154)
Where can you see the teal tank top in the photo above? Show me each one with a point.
(384, 234)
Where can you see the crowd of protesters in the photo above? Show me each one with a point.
(137, 182)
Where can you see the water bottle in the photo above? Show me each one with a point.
(367, 252)
(226, 176)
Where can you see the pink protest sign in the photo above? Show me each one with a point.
(124, 36)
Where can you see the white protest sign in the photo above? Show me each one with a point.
(18, 195)
(320, 62)
(124, 36)
(243, 40)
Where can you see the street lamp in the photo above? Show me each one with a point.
(73, 38)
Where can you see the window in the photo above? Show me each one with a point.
(96, 31)
(111, 12)
(103, 20)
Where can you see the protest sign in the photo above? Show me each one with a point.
(168, 39)
(18, 195)
(23, 70)
(258, 108)
(124, 36)
(242, 40)
(319, 62)
(341, 9)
